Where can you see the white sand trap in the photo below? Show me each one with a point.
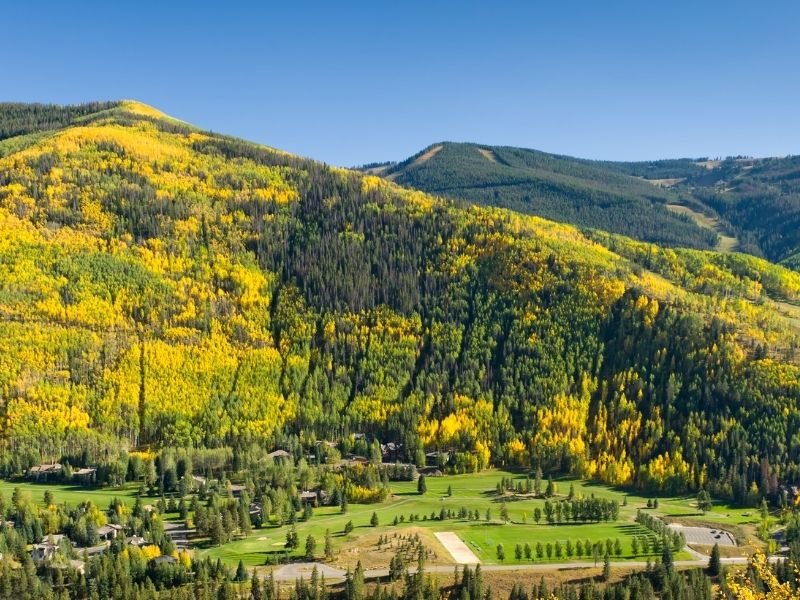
(457, 548)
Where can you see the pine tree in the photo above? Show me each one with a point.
(241, 572)
(311, 547)
(422, 487)
(606, 568)
(715, 562)
(328, 545)
(256, 592)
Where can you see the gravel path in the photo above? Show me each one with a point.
(460, 552)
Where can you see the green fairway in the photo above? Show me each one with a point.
(474, 492)
(71, 494)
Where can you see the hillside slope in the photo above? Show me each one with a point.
(753, 205)
(160, 285)
(551, 186)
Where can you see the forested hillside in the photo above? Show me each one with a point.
(555, 187)
(164, 286)
(756, 202)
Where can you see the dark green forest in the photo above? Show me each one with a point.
(756, 200)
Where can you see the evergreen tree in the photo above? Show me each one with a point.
(715, 562)
(328, 545)
(311, 547)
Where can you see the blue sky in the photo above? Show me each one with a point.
(354, 82)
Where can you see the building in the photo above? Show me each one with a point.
(85, 476)
(279, 456)
(47, 548)
(109, 532)
(44, 472)
(136, 540)
(307, 497)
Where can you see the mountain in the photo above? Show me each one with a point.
(751, 205)
(165, 286)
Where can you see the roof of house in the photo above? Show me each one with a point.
(51, 540)
(45, 468)
(108, 528)
(279, 454)
(136, 540)
(85, 471)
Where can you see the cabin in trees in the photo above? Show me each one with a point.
(109, 532)
(279, 456)
(307, 497)
(48, 547)
(85, 476)
(136, 540)
(436, 459)
(237, 490)
(391, 451)
(44, 472)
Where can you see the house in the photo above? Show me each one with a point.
(279, 456)
(237, 490)
(48, 547)
(307, 497)
(109, 532)
(433, 459)
(255, 509)
(164, 559)
(44, 472)
(136, 540)
(391, 451)
(85, 476)
(353, 459)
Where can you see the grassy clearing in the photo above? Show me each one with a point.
(71, 494)
(726, 242)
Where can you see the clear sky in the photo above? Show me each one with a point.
(355, 82)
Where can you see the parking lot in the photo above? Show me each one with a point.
(705, 535)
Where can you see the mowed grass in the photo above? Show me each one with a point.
(475, 491)
(70, 494)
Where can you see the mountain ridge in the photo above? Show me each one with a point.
(665, 201)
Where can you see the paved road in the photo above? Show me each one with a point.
(293, 571)
(178, 533)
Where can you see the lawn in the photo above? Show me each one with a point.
(472, 491)
(71, 494)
